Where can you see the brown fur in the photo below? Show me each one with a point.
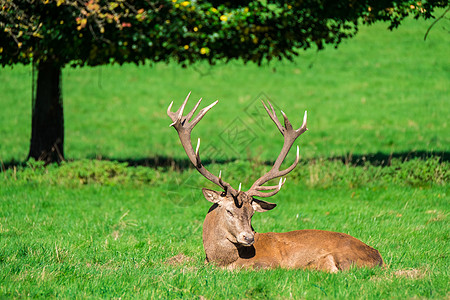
(311, 249)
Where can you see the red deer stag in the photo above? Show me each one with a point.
(228, 236)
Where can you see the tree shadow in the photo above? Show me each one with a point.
(11, 164)
(376, 159)
(384, 159)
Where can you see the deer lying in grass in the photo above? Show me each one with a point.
(228, 236)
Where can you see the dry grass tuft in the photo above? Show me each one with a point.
(411, 274)
(178, 259)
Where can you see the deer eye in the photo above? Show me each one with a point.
(229, 213)
(223, 194)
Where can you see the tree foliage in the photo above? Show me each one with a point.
(97, 32)
(53, 33)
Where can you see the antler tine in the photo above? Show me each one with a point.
(169, 108)
(171, 114)
(272, 187)
(291, 167)
(276, 189)
(287, 124)
(290, 135)
(225, 185)
(184, 127)
(176, 116)
(202, 113)
(273, 116)
(197, 149)
(191, 113)
(181, 109)
(303, 128)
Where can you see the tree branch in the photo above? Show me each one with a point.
(434, 23)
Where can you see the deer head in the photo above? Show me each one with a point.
(235, 214)
(233, 209)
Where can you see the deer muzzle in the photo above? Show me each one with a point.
(246, 238)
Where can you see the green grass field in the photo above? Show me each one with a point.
(104, 230)
(374, 165)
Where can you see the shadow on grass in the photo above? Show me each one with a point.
(376, 159)
(383, 159)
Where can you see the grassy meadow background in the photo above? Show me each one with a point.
(107, 223)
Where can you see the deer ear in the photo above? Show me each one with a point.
(262, 206)
(211, 196)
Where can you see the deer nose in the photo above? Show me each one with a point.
(247, 238)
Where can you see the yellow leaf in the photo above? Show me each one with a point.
(36, 34)
(113, 5)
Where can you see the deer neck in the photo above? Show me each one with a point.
(218, 247)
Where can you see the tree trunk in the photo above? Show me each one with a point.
(47, 125)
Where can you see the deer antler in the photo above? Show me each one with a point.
(184, 126)
(290, 135)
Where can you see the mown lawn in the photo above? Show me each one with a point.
(92, 228)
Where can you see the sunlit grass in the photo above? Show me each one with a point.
(102, 230)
